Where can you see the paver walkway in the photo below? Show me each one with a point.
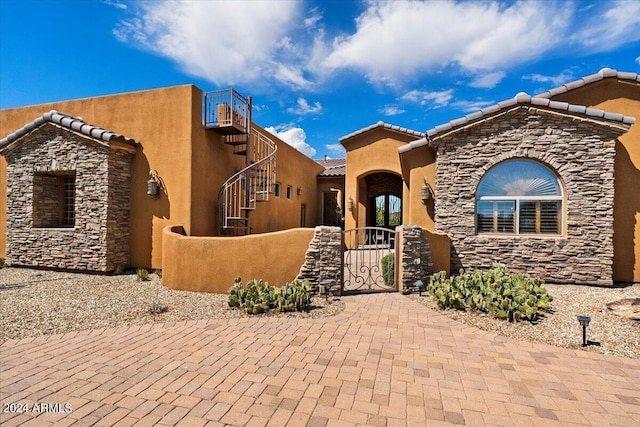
(385, 361)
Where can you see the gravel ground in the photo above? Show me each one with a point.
(607, 333)
(35, 302)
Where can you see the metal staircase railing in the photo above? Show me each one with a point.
(229, 114)
(242, 191)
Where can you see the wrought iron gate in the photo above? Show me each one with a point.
(369, 260)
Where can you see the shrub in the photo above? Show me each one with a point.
(388, 269)
(3, 263)
(512, 297)
(258, 296)
(158, 273)
(158, 308)
(143, 274)
(118, 270)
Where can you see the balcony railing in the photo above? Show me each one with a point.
(227, 112)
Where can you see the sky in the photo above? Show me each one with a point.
(316, 70)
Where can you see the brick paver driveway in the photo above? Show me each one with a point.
(384, 361)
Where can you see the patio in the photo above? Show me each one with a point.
(384, 361)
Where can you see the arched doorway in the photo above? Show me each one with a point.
(384, 193)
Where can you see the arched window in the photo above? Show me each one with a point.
(519, 197)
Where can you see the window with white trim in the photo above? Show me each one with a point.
(519, 196)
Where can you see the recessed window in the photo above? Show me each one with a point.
(54, 196)
(519, 197)
(289, 192)
(277, 189)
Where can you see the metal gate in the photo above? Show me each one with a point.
(368, 260)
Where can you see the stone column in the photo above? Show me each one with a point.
(323, 259)
(413, 256)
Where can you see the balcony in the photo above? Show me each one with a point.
(227, 112)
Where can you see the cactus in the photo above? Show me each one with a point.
(511, 297)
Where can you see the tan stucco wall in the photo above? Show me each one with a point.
(161, 121)
(297, 170)
(419, 165)
(274, 257)
(372, 151)
(620, 96)
(191, 161)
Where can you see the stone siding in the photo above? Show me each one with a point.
(580, 152)
(99, 240)
(323, 259)
(415, 253)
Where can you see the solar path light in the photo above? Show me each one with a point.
(584, 321)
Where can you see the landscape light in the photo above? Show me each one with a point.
(584, 321)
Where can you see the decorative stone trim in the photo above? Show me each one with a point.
(415, 255)
(323, 259)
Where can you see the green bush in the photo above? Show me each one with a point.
(258, 296)
(388, 269)
(3, 263)
(512, 297)
(143, 274)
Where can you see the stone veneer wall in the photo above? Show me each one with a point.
(323, 259)
(415, 253)
(99, 240)
(581, 153)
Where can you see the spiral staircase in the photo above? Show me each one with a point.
(229, 114)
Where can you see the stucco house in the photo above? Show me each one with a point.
(546, 184)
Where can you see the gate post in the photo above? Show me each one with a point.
(323, 259)
(413, 256)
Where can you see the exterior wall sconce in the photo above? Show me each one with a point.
(584, 322)
(425, 192)
(299, 191)
(153, 184)
(351, 203)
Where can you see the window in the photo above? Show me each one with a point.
(54, 196)
(289, 192)
(278, 189)
(519, 197)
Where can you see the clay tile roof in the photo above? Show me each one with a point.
(333, 167)
(73, 123)
(520, 99)
(602, 74)
(384, 125)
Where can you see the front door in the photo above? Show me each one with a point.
(386, 211)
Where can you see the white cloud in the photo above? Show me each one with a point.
(608, 29)
(391, 110)
(488, 80)
(294, 136)
(313, 18)
(471, 106)
(116, 4)
(638, 60)
(336, 149)
(557, 80)
(225, 42)
(396, 39)
(423, 97)
(304, 108)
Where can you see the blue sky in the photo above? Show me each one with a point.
(317, 70)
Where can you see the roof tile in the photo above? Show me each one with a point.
(382, 125)
(69, 122)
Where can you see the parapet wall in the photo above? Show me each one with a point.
(210, 264)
